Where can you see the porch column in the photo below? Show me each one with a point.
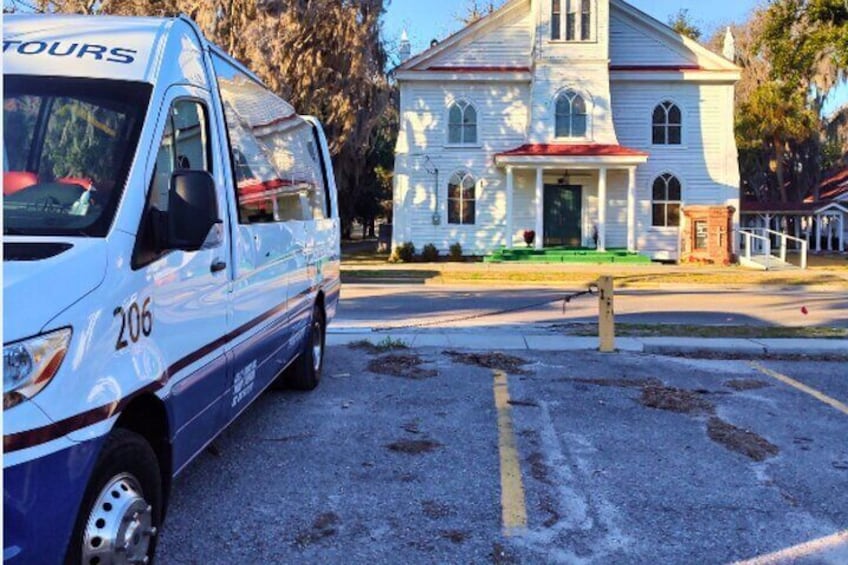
(797, 221)
(540, 210)
(818, 232)
(631, 209)
(841, 233)
(510, 230)
(602, 209)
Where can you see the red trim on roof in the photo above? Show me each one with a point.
(835, 185)
(656, 68)
(480, 69)
(571, 150)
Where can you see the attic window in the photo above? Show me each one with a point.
(575, 20)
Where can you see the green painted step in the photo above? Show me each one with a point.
(564, 255)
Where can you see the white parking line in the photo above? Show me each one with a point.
(816, 546)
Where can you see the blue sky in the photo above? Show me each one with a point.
(435, 19)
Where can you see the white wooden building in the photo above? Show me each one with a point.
(583, 120)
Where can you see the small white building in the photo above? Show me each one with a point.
(583, 120)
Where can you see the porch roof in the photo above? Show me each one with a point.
(777, 208)
(558, 154)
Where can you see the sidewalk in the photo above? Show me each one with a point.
(536, 339)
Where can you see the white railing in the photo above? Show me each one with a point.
(760, 240)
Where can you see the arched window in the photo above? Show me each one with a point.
(666, 201)
(461, 198)
(462, 123)
(570, 115)
(667, 122)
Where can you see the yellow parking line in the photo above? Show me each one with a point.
(791, 554)
(802, 387)
(513, 506)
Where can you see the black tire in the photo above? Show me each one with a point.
(305, 372)
(123, 453)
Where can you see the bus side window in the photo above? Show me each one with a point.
(184, 145)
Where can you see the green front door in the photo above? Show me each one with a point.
(563, 206)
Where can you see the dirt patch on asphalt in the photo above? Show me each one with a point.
(401, 365)
(456, 536)
(499, 361)
(745, 384)
(547, 506)
(740, 440)
(323, 527)
(414, 447)
(538, 468)
(675, 400)
(436, 510)
(618, 383)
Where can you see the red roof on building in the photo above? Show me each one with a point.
(756, 207)
(479, 69)
(834, 186)
(571, 150)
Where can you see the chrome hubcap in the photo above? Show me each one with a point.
(120, 525)
(317, 346)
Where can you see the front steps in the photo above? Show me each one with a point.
(564, 255)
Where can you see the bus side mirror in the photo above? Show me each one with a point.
(192, 209)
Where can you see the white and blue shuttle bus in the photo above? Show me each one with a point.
(171, 249)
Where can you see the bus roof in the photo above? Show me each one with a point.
(124, 48)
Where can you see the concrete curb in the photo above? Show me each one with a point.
(528, 341)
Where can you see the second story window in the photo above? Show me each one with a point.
(667, 124)
(570, 115)
(462, 124)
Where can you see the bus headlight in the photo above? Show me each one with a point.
(30, 364)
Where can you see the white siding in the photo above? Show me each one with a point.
(633, 44)
(501, 125)
(506, 45)
(706, 161)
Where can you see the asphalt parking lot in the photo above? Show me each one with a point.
(422, 456)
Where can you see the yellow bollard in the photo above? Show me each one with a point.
(606, 315)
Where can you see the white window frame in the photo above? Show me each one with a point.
(587, 102)
(667, 228)
(683, 124)
(463, 174)
(463, 104)
(575, 7)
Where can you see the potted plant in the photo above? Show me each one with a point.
(529, 237)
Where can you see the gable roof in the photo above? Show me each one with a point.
(693, 55)
(464, 35)
(670, 39)
(834, 187)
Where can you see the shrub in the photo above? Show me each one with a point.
(456, 252)
(430, 253)
(403, 254)
(529, 237)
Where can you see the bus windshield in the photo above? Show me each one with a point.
(68, 144)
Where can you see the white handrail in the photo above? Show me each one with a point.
(749, 233)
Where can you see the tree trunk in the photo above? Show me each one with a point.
(778, 158)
